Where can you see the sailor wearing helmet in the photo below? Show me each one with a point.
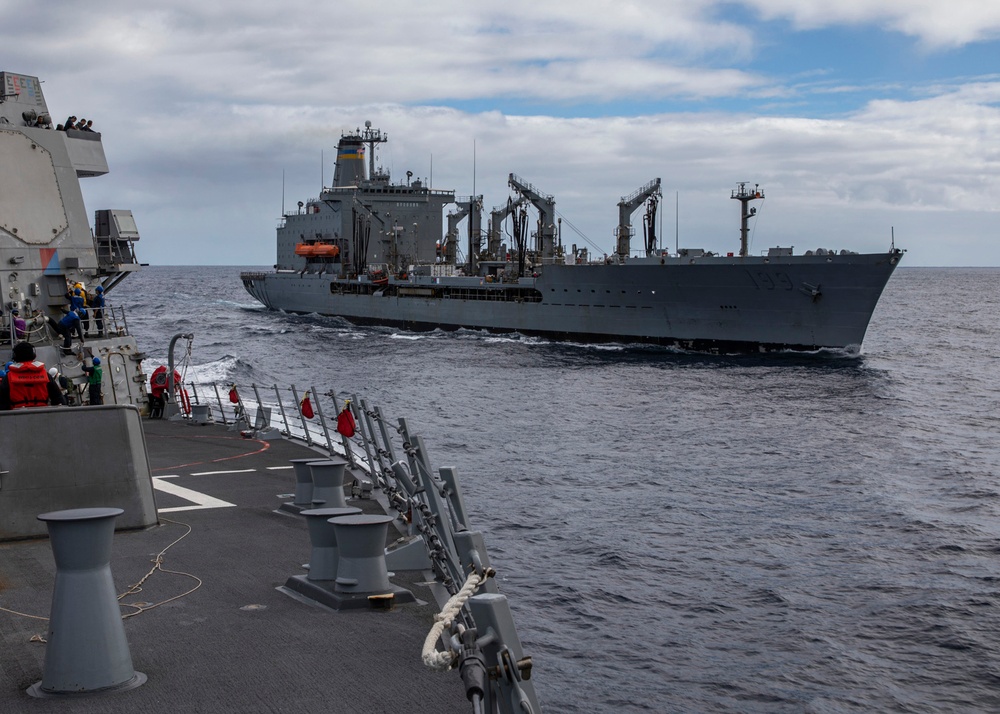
(94, 375)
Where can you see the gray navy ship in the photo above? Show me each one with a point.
(372, 251)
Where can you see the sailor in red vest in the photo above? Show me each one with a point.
(157, 387)
(27, 383)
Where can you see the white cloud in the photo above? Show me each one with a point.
(203, 105)
(432, 51)
(935, 23)
(216, 187)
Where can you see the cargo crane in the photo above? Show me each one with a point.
(649, 194)
(497, 216)
(471, 206)
(545, 244)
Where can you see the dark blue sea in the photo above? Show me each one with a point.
(681, 533)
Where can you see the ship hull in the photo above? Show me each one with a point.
(801, 303)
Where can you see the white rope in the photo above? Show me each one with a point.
(187, 363)
(442, 661)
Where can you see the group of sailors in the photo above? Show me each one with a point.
(77, 124)
(77, 318)
(44, 121)
(25, 381)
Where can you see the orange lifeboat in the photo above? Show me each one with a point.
(317, 250)
(326, 250)
(305, 249)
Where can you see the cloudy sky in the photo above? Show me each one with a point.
(859, 118)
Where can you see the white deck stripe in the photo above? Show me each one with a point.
(213, 473)
(200, 500)
(278, 468)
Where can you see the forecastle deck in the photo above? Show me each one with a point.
(210, 629)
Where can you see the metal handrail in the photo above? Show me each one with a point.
(397, 463)
(39, 332)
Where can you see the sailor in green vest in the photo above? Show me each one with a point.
(94, 376)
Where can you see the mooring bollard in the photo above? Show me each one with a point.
(303, 482)
(361, 541)
(328, 482)
(87, 651)
(324, 557)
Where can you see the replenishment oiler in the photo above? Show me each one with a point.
(372, 251)
(229, 592)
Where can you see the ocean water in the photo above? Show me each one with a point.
(682, 533)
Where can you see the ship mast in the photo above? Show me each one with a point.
(744, 195)
(371, 137)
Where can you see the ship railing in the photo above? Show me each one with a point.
(113, 251)
(475, 631)
(38, 332)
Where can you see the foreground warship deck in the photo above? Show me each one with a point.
(236, 643)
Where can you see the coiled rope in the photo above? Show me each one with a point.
(442, 661)
(137, 588)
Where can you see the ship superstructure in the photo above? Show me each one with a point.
(374, 252)
(47, 245)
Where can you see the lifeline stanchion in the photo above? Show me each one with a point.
(87, 651)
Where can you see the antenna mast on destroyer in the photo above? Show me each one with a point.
(744, 195)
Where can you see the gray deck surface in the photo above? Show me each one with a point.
(236, 643)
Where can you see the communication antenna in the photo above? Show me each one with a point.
(282, 192)
(322, 171)
(892, 246)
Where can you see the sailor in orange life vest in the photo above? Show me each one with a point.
(27, 383)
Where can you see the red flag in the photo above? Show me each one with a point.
(234, 397)
(306, 407)
(345, 423)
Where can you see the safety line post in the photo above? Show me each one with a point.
(281, 408)
(302, 417)
(322, 419)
